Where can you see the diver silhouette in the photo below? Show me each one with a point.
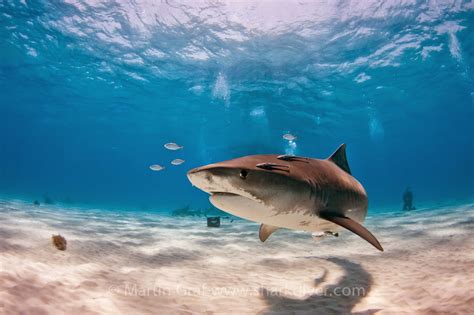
(408, 200)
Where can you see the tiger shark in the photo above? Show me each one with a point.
(292, 192)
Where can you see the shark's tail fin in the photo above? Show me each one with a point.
(339, 158)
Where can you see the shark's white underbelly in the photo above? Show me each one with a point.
(295, 219)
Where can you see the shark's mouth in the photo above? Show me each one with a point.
(239, 205)
(229, 195)
(225, 194)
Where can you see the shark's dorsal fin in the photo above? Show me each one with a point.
(339, 158)
(265, 231)
(352, 226)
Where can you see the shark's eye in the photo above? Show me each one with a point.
(243, 174)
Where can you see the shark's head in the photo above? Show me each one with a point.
(252, 187)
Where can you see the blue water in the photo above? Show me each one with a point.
(91, 91)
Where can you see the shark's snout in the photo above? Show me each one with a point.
(202, 178)
(194, 175)
(201, 169)
(193, 171)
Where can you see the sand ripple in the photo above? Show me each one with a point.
(136, 263)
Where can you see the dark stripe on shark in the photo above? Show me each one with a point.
(273, 166)
(352, 226)
(291, 158)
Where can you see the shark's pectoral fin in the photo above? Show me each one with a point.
(352, 226)
(265, 231)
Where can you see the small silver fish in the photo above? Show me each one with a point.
(177, 162)
(289, 137)
(173, 146)
(156, 167)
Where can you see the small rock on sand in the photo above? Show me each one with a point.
(59, 242)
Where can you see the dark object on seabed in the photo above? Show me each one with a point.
(59, 242)
(213, 221)
(36, 203)
(408, 200)
(48, 200)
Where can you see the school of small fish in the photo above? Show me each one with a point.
(173, 147)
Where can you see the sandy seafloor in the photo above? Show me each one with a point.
(138, 263)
